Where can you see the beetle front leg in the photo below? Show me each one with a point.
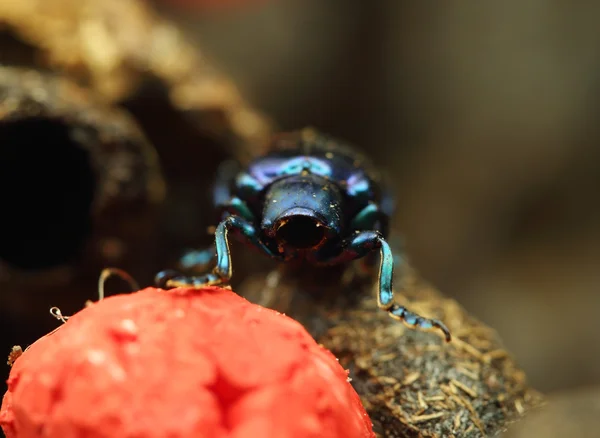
(368, 218)
(364, 243)
(222, 272)
(372, 218)
(197, 260)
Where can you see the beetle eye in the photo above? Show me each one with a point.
(301, 232)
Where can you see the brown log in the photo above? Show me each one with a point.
(412, 383)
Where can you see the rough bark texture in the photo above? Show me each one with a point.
(412, 383)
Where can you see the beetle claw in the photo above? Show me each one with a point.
(162, 278)
(413, 320)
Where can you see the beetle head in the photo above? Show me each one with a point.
(302, 212)
(301, 229)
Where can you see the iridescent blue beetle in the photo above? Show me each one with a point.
(309, 198)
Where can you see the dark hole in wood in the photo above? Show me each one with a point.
(47, 186)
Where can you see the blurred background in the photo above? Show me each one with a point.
(486, 118)
(483, 114)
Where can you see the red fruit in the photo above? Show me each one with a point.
(180, 363)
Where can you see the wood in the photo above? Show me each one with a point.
(412, 383)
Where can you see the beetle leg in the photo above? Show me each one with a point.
(223, 198)
(372, 217)
(364, 243)
(198, 260)
(369, 218)
(221, 274)
(366, 218)
(236, 207)
(225, 177)
(247, 185)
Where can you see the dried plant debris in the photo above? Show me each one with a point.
(14, 354)
(113, 45)
(412, 383)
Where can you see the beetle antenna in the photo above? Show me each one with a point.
(104, 275)
(55, 312)
(115, 272)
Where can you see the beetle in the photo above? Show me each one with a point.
(309, 198)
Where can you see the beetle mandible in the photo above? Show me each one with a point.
(310, 198)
